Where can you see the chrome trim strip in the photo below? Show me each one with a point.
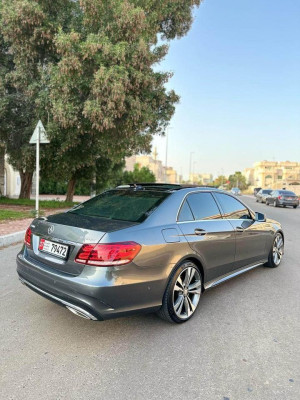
(231, 275)
(65, 303)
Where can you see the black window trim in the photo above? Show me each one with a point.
(196, 220)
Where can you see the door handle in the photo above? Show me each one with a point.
(239, 229)
(200, 232)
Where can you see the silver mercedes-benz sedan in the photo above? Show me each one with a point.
(145, 248)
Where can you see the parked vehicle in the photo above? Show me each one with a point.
(256, 190)
(262, 194)
(145, 247)
(282, 198)
(236, 191)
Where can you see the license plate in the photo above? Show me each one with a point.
(289, 198)
(57, 249)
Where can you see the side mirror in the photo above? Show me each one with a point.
(259, 217)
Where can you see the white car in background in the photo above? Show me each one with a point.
(236, 191)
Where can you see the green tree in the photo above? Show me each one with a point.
(237, 180)
(87, 67)
(138, 175)
(220, 181)
(27, 51)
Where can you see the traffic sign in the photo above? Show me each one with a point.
(39, 136)
(39, 131)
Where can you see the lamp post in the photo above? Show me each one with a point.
(191, 156)
(166, 160)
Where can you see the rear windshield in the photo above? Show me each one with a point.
(267, 191)
(287, 193)
(124, 205)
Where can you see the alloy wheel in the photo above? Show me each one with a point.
(187, 291)
(277, 249)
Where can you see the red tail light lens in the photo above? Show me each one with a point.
(105, 255)
(279, 197)
(27, 239)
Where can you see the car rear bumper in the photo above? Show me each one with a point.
(288, 203)
(94, 298)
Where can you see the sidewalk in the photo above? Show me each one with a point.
(13, 231)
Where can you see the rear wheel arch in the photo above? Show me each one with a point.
(193, 258)
(168, 309)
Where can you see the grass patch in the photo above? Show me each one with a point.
(11, 214)
(43, 203)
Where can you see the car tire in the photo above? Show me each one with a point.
(277, 248)
(179, 302)
(295, 206)
(267, 203)
(275, 204)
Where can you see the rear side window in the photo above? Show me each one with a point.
(124, 205)
(233, 209)
(287, 193)
(185, 213)
(203, 206)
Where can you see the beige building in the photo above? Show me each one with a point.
(10, 181)
(275, 175)
(162, 174)
(201, 179)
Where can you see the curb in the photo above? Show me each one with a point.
(12, 238)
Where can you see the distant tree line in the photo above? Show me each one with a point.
(86, 187)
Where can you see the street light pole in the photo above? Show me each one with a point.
(166, 161)
(191, 156)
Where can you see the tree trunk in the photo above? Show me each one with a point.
(71, 189)
(26, 183)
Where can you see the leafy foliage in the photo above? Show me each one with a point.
(237, 180)
(86, 68)
(138, 175)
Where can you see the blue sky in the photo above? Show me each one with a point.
(238, 75)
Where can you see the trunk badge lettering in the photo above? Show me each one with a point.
(51, 229)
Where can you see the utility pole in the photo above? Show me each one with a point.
(166, 161)
(191, 156)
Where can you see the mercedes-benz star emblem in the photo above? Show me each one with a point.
(51, 229)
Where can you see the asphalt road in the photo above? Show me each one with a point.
(243, 342)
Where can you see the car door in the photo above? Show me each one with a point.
(251, 235)
(208, 234)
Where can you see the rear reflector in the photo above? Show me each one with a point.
(105, 255)
(27, 238)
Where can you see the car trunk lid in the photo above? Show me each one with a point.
(67, 229)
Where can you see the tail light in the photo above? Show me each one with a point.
(27, 239)
(105, 255)
(279, 197)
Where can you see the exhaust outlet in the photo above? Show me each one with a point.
(79, 313)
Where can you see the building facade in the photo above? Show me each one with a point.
(201, 179)
(274, 175)
(162, 174)
(10, 181)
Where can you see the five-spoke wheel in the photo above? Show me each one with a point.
(183, 293)
(276, 252)
(186, 293)
(277, 249)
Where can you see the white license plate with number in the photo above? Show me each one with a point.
(57, 249)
